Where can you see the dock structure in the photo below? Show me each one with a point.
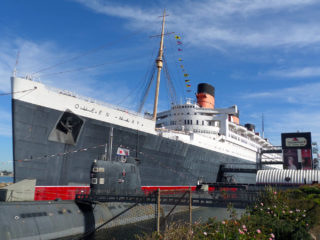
(239, 198)
(216, 195)
(220, 198)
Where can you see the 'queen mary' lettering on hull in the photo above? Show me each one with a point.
(88, 109)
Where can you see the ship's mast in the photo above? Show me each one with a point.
(159, 63)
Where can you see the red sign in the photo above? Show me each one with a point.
(306, 158)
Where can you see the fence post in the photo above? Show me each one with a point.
(158, 211)
(190, 208)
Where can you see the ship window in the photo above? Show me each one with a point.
(191, 122)
(101, 180)
(185, 122)
(202, 122)
(94, 180)
(197, 122)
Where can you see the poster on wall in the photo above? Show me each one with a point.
(296, 150)
(290, 159)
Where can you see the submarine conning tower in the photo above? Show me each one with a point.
(205, 95)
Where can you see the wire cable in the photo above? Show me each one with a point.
(146, 91)
(94, 50)
(172, 90)
(85, 68)
(10, 93)
(142, 82)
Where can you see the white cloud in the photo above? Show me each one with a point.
(304, 72)
(118, 10)
(307, 94)
(292, 121)
(218, 24)
(31, 56)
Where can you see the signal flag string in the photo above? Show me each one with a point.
(60, 154)
(186, 75)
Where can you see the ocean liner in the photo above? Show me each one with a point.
(57, 135)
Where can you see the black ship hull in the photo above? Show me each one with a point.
(161, 161)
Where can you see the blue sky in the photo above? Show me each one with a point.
(260, 55)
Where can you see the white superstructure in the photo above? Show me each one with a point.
(212, 129)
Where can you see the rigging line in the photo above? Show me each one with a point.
(131, 93)
(84, 68)
(142, 90)
(170, 83)
(10, 93)
(146, 91)
(149, 74)
(87, 52)
(142, 81)
(142, 85)
(168, 86)
(9, 67)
